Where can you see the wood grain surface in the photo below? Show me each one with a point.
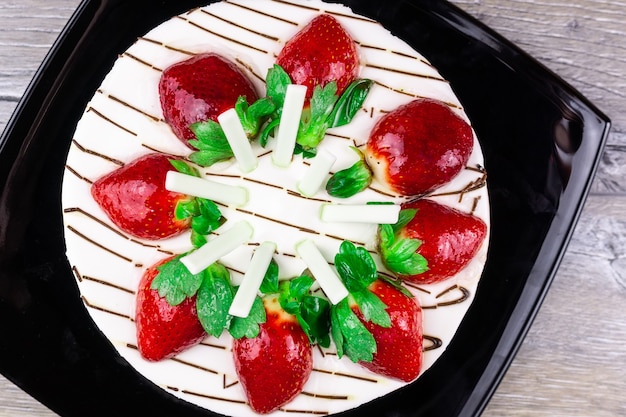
(573, 360)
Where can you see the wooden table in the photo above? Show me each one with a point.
(573, 361)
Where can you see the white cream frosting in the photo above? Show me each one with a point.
(124, 121)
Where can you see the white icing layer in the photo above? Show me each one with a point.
(124, 121)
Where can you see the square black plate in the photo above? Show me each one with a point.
(541, 139)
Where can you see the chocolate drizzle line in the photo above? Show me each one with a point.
(211, 397)
(229, 39)
(230, 22)
(108, 284)
(130, 106)
(311, 412)
(91, 109)
(79, 176)
(261, 13)
(141, 61)
(99, 155)
(465, 294)
(325, 396)
(250, 70)
(93, 242)
(105, 310)
(391, 51)
(226, 385)
(345, 375)
(406, 93)
(196, 366)
(412, 74)
(171, 48)
(435, 343)
(114, 230)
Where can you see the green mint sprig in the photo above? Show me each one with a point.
(325, 109)
(400, 254)
(205, 215)
(312, 312)
(350, 181)
(357, 270)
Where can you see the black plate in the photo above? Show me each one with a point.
(541, 139)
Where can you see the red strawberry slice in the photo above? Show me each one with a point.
(200, 89)
(135, 199)
(450, 239)
(419, 147)
(274, 366)
(320, 53)
(164, 330)
(399, 347)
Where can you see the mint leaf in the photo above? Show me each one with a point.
(248, 326)
(314, 118)
(205, 217)
(276, 82)
(355, 266)
(306, 153)
(404, 217)
(315, 313)
(184, 168)
(372, 307)
(269, 285)
(349, 103)
(351, 337)
(312, 312)
(253, 116)
(214, 298)
(358, 270)
(175, 282)
(267, 131)
(210, 142)
(350, 181)
(400, 254)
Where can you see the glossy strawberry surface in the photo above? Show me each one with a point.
(200, 89)
(399, 347)
(419, 147)
(274, 366)
(164, 330)
(320, 53)
(450, 239)
(135, 199)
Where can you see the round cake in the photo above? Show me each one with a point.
(265, 203)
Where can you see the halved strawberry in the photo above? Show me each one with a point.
(419, 147)
(274, 366)
(200, 89)
(135, 199)
(164, 330)
(320, 53)
(399, 346)
(450, 239)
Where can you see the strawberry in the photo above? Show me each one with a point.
(164, 330)
(450, 238)
(273, 366)
(200, 89)
(419, 147)
(134, 197)
(379, 325)
(398, 347)
(320, 53)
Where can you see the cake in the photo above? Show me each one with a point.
(125, 121)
